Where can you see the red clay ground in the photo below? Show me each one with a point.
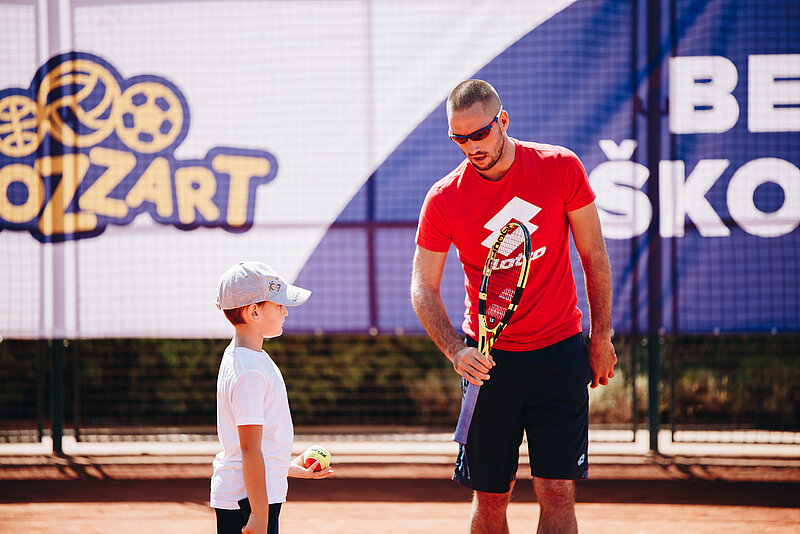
(656, 497)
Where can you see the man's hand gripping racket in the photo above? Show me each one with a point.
(504, 277)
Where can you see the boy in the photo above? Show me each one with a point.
(253, 420)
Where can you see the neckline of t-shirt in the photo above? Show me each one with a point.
(234, 348)
(509, 172)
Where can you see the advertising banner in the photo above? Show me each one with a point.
(146, 147)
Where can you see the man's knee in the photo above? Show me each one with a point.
(492, 502)
(557, 493)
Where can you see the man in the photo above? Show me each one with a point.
(537, 374)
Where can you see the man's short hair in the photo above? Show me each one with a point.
(469, 92)
(236, 315)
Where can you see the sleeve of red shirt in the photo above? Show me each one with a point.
(575, 188)
(433, 230)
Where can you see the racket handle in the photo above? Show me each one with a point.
(467, 409)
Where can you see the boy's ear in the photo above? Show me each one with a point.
(253, 312)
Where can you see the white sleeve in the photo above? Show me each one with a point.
(247, 399)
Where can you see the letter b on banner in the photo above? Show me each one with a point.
(700, 92)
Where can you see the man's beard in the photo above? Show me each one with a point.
(493, 161)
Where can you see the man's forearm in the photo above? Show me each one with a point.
(602, 356)
(432, 314)
(597, 273)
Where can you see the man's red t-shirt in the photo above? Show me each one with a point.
(542, 185)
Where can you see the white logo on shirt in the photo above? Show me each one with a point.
(516, 209)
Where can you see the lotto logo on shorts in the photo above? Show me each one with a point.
(83, 147)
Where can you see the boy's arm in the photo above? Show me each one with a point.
(255, 479)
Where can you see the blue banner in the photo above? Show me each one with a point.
(729, 184)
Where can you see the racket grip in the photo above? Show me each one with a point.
(467, 409)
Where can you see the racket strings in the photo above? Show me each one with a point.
(501, 289)
(506, 267)
(511, 243)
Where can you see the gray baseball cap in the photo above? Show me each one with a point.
(249, 282)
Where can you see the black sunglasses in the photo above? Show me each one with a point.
(477, 135)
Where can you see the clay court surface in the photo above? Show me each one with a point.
(626, 494)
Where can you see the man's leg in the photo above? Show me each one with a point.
(556, 506)
(489, 512)
(489, 461)
(557, 425)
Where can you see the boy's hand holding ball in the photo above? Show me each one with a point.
(316, 455)
(313, 463)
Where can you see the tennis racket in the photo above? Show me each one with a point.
(504, 277)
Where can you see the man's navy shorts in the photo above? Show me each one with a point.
(542, 392)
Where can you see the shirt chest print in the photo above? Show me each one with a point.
(515, 209)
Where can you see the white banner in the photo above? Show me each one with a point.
(291, 104)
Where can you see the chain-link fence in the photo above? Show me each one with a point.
(126, 387)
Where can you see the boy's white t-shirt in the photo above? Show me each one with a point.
(250, 391)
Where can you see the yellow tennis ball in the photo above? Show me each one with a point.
(317, 453)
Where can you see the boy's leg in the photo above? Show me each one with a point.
(272, 522)
(233, 521)
(229, 521)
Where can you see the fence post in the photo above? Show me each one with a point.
(655, 59)
(41, 388)
(59, 16)
(57, 394)
(74, 355)
(634, 370)
(652, 390)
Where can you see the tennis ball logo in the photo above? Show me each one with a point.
(314, 454)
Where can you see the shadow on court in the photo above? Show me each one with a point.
(195, 490)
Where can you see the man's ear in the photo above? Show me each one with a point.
(253, 312)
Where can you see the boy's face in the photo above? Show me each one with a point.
(271, 319)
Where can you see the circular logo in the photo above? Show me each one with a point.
(78, 99)
(150, 117)
(20, 134)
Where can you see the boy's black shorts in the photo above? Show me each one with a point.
(233, 521)
(542, 392)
